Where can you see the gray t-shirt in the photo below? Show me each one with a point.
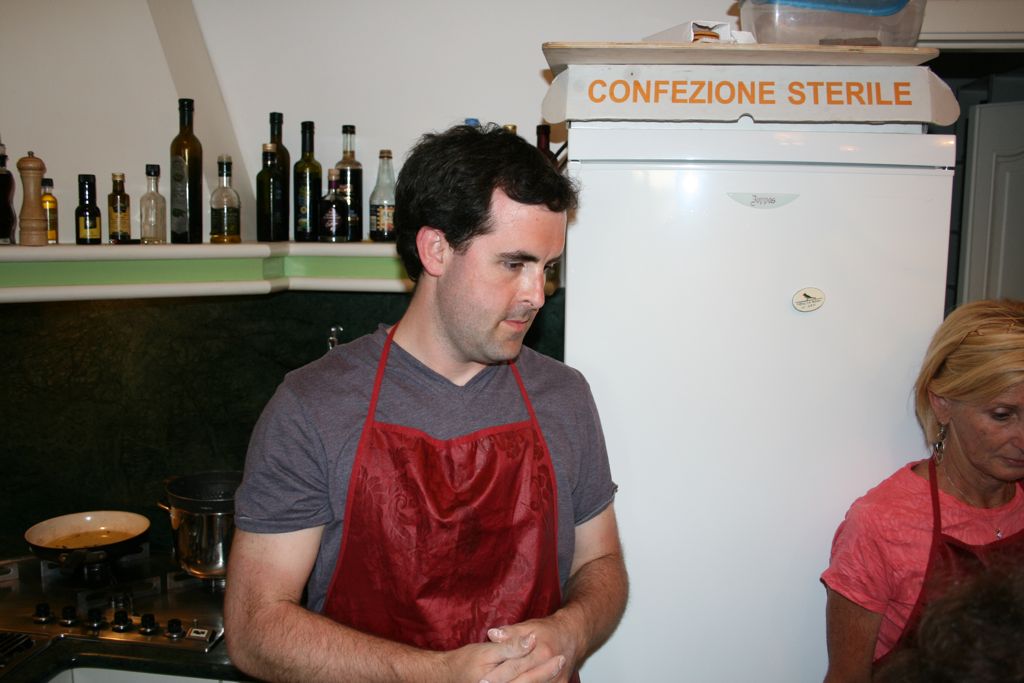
(301, 453)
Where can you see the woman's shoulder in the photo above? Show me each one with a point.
(901, 496)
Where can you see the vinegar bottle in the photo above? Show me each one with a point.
(544, 143)
(350, 184)
(88, 220)
(118, 211)
(153, 209)
(382, 201)
(8, 219)
(308, 186)
(271, 218)
(50, 210)
(284, 159)
(333, 211)
(225, 220)
(186, 180)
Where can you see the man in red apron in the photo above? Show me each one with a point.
(440, 492)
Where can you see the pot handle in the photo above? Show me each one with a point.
(76, 558)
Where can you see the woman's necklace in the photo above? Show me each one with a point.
(965, 498)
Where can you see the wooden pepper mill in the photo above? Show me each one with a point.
(32, 219)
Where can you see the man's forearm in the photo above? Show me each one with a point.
(595, 601)
(285, 642)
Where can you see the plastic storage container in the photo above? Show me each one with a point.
(834, 22)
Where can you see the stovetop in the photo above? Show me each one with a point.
(141, 599)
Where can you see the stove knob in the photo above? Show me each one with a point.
(94, 618)
(121, 621)
(43, 614)
(174, 629)
(148, 625)
(68, 615)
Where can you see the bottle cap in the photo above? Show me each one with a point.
(385, 154)
(117, 176)
(276, 117)
(510, 127)
(224, 159)
(333, 173)
(543, 128)
(86, 178)
(348, 129)
(269, 147)
(307, 125)
(153, 170)
(186, 104)
(472, 122)
(47, 182)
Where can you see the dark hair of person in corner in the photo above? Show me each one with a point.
(973, 634)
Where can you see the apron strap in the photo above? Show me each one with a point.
(933, 485)
(378, 379)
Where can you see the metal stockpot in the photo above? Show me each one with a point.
(202, 509)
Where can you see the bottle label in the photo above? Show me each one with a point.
(225, 222)
(179, 195)
(332, 222)
(88, 228)
(303, 209)
(51, 224)
(120, 225)
(382, 218)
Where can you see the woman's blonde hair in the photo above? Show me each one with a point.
(976, 354)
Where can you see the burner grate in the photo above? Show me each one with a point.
(13, 646)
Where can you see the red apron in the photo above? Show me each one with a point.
(444, 539)
(951, 561)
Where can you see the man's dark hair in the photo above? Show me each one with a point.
(448, 179)
(972, 634)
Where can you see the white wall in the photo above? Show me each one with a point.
(86, 86)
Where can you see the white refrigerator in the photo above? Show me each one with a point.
(750, 304)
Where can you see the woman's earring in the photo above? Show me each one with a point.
(939, 446)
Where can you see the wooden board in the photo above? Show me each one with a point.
(561, 55)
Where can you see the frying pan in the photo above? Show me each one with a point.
(87, 537)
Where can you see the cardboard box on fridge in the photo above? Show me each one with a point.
(766, 93)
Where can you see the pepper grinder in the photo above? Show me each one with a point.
(32, 218)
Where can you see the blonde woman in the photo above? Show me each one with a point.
(940, 520)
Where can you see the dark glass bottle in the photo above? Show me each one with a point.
(271, 215)
(88, 220)
(8, 219)
(119, 221)
(544, 143)
(333, 211)
(350, 184)
(186, 180)
(308, 187)
(284, 159)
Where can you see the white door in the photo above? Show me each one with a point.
(992, 246)
(740, 428)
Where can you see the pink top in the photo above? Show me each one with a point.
(880, 551)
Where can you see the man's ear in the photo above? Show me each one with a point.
(432, 246)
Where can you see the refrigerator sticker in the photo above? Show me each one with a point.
(701, 92)
(762, 200)
(808, 299)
